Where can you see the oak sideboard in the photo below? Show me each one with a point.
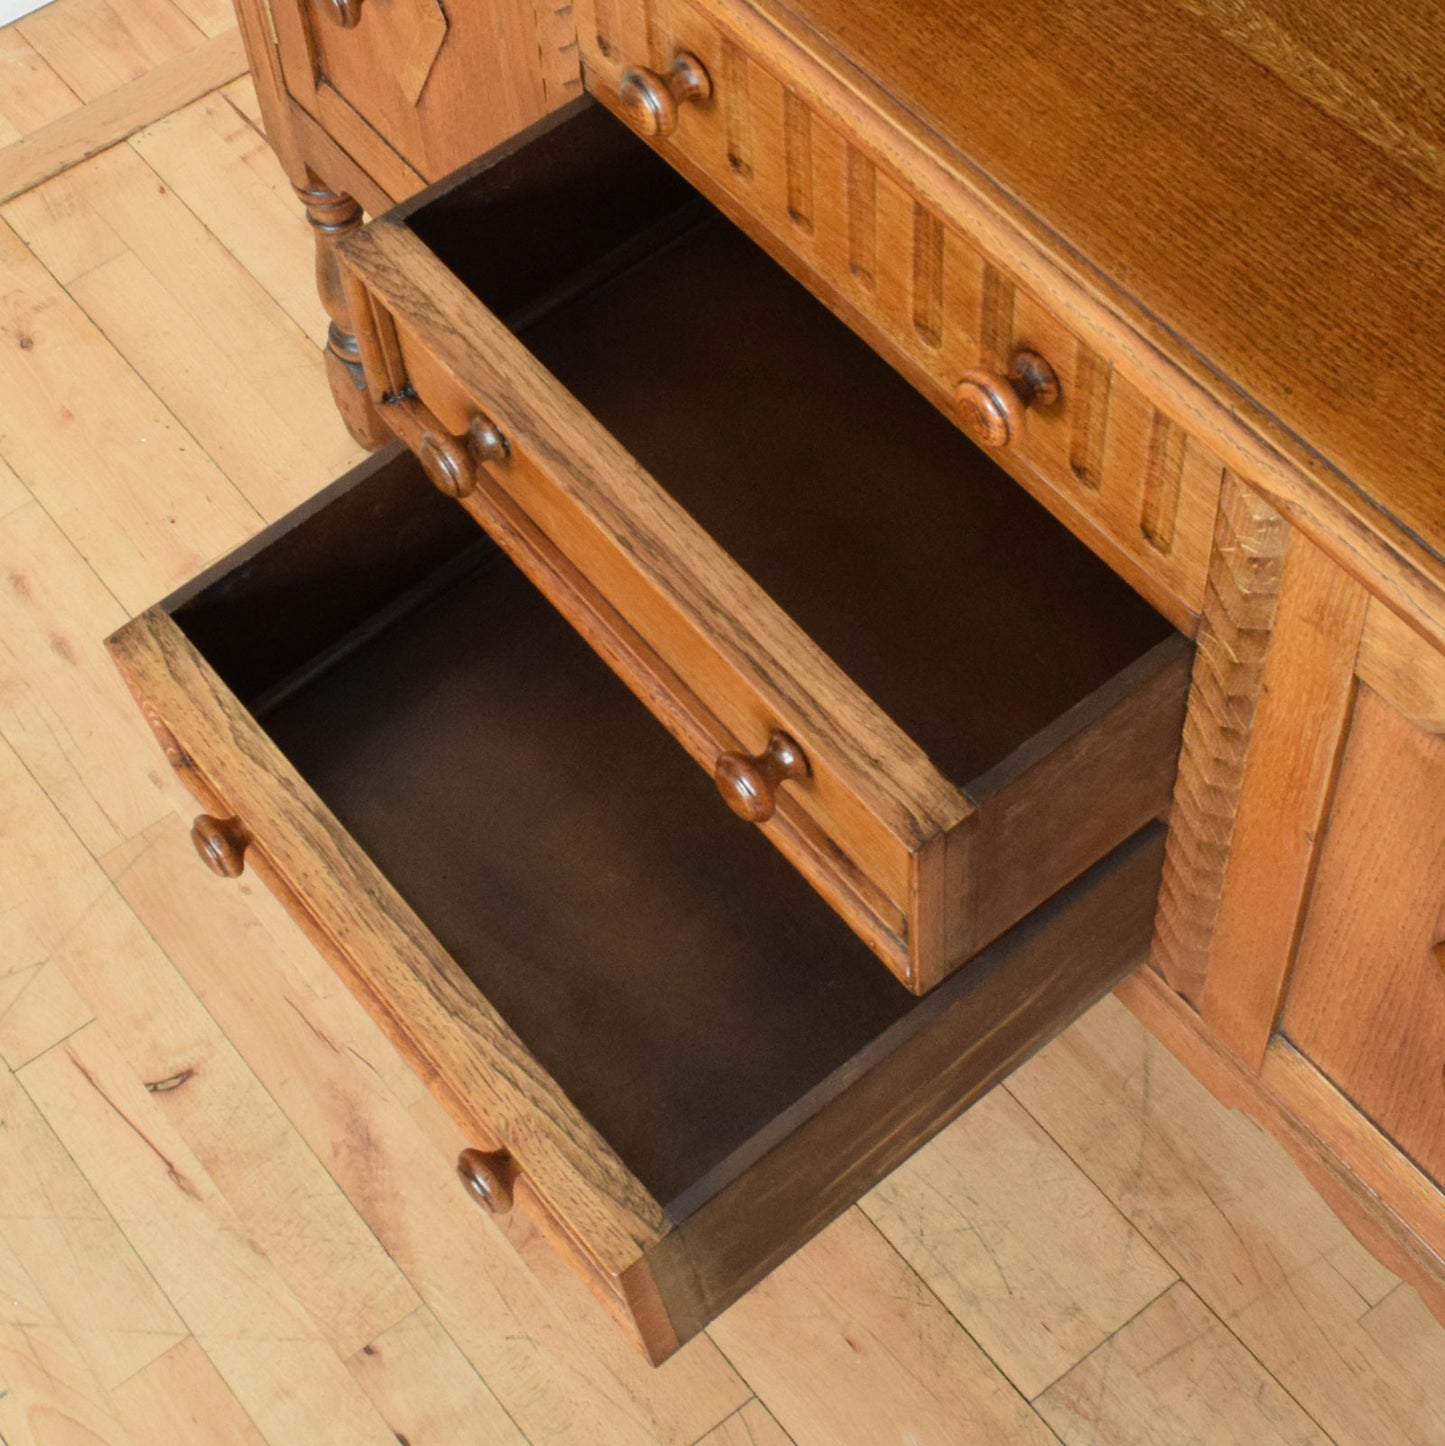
(999, 445)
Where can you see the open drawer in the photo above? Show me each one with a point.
(667, 1049)
(930, 696)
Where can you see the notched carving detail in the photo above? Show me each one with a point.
(862, 218)
(927, 276)
(798, 158)
(1163, 474)
(1089, 418)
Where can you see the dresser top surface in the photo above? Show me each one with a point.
(1259, 181)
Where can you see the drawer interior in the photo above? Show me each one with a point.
(970, 615)
(685, 988)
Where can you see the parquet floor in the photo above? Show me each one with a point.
(227, 1211)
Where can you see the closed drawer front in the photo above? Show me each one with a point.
(772, 148)
(662, 1045)
(936, 702)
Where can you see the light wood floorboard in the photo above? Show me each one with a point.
(227, 1209)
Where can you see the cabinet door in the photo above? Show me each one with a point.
(412, 89)
(1366, 1001)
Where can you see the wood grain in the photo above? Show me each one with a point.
(1252, 1238)
(823, 1340)
(1307, 689)
(144, 515)
(1174, 1373)
(97, 1290)
(871, 789)
(278, 1365)
(61, 708)
(220, 167)
(1403, 668)
(1239, 609)
(205, 337)
(95, 48)
(1007, 1231)
(36, 96)
(180, 1398)
(752, 1426)
(109, 119)
(555, 1362)
(426, 1390)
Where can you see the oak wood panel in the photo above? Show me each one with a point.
(1405, 670)
(438, 85)
(1367, 998)
(1239, 608)
(895, 264)
(1306, 691)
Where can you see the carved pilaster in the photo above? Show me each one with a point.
(1239, 608)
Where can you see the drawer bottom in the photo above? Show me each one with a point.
(690, 1064)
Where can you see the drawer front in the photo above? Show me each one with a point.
(813, 1137)
(773, 150)
(869, 821)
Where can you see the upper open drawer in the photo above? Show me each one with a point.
(936, 701)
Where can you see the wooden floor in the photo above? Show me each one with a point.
(228, 1212)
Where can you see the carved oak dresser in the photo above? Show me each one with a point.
(889, 521)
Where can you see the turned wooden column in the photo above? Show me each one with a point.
(334, 215)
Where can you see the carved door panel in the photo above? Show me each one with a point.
(412, 89)
(1366, 1001)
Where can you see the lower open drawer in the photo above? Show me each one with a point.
(665, 1046)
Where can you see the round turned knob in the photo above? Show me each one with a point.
(221, 843)
(446, 461)
(488, 1178)
(346, 13)
(750, 785)
(485, 440)
(991, 407)
(650, 101)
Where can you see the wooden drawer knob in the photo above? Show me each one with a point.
(487, 1177)
(451, 462)
(750, 785)
(221, 843)
(650, 101)
(991, 408)
(346, 13)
